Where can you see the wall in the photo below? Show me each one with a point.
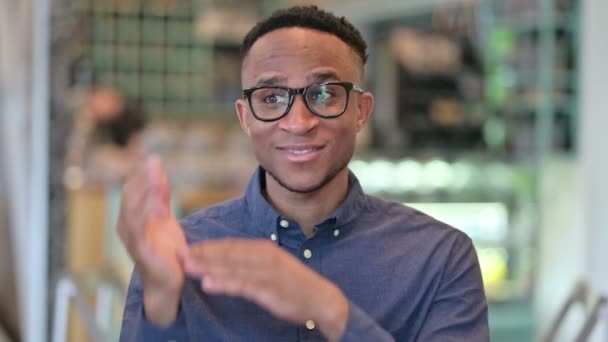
(24, 47)
(574, 236)
(8, 309)
(593, 142)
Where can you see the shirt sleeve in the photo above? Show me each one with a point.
(361, 327)
(459, 311)
(135, 326)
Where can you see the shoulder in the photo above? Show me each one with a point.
(413, 224)
(435, 246)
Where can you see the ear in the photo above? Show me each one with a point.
(242, 109)
(366, 105)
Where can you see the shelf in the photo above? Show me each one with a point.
(528, 78)
(539, 51)
(564, 105)
(532, 25)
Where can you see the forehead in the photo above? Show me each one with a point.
(296, 54)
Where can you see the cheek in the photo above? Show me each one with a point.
(346, 132)
(347, 141)
(343, 141)
(260, 140)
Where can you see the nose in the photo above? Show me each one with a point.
(299, 120)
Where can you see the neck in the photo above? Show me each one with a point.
(308, 209)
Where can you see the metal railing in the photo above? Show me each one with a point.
(97, 320)
(3, 334)
(596, 310)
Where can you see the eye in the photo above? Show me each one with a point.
(271, 99)
(322, 94)
(270, 96)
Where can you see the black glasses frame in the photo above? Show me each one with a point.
(348, 86)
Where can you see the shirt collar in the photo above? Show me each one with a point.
(262, 212)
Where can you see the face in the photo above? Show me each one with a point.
(105, 104)
(301, 151)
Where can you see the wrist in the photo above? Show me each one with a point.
(333, 315)
(161, 307)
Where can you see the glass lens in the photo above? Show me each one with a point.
(269, 103)
(326, 99)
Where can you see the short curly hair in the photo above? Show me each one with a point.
(308, 17)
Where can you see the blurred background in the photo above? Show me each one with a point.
(490, 115)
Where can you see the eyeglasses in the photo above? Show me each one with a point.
(325, 100)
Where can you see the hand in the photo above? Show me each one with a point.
(154, 239)
(262, 272)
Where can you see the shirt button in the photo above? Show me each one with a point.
(307, 253)
(273, 237)
(336, 232)
(310, 324)
(284, 223)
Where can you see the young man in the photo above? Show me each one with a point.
(304, 254)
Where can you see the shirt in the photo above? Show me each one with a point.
(407, 276)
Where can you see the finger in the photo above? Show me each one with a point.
(134, 214)
(235, 251)
(139, 237)
(241, 273)
(133, 201)
(159, 185)
(203, 262)
(138, 180)
(234, 287)
(213, 285)
(196, 266)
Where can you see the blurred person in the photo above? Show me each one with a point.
(305, 254)
(106, 141)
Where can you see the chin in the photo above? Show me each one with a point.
(304, 185)
(298, 185)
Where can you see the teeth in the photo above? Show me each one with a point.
(308, 150)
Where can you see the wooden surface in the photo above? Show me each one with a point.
(86, 229)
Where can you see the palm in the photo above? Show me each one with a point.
(165, 238)
(154, 239)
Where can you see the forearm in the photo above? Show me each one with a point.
(161, 308)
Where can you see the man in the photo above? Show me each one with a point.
(106, 141)
(304, 254)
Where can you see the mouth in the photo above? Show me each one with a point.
(302, 153)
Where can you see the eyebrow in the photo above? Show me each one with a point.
(271, 81)
(323, 77)
(314, 78)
